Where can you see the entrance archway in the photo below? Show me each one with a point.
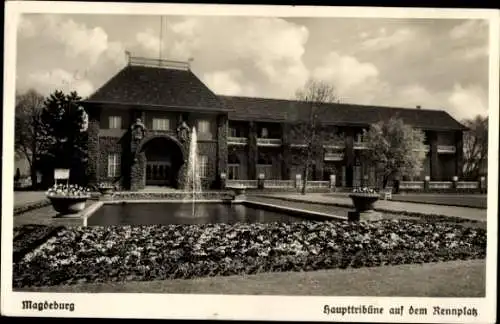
(164, 158)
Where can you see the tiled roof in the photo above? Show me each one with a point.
(261, 109)
(258, 109)
(155, 86)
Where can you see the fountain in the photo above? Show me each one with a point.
(193, 180)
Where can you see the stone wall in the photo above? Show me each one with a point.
(93, 147)
(222, 149)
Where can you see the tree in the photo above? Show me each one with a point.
(315, 96)
(63, 137)
(395, 148)
(475, 147)
(29, 107)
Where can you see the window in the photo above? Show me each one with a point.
(115, 122)
(264, 133)
(161, 124)
(360, 138)
(203, 166)
(203, 126)
(233, 132)
(113, 165)
(233, 171)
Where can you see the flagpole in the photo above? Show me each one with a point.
(161, 36)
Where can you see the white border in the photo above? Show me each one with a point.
(238, 306)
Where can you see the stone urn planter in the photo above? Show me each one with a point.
(106, 190)
(68, 205)
(364, 201)
(239, 191)
(67, 200)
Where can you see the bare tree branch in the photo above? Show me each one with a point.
(315, 96)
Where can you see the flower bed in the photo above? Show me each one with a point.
(104, 254)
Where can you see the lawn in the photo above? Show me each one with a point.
(461, 200)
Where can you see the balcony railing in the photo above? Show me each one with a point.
(446, 149)
(360, 145)
(318, 184)
(237, 140)
(143, 61)
(336, 145)
(411, 185)
(334, 156)
(440, 185)
(279, 183)
(467, 185)
(424, 148)
(298, 145)
(243, 183)
(268, 141)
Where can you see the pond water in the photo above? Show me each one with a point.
(179, 213)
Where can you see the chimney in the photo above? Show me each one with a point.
(419, 107)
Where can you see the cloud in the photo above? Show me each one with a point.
(26, 27)
(224, 82)
(268, 51)
(476, 52)
(468, 101)
(47, 82)
(149, 40)
(79, 41)
(385, 40)
(350, 77)
(470, 28)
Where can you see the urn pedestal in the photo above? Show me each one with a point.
(239, 192)
(364, 207)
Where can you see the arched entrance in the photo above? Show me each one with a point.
(164, 158)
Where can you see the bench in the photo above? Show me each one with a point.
(386, 193)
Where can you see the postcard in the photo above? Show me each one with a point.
(239, 162)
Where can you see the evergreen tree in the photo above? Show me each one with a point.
(63, 135)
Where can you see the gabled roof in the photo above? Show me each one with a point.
(157, 87)
(265, 109)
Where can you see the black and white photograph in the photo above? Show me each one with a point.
(250, 162)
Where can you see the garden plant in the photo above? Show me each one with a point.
(143, 253)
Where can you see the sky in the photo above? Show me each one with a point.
(434, 63)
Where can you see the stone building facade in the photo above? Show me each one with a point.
(140, 125)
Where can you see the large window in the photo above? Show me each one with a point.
(113, 165)
(161, 124)
(203, 126)
(115, 122)
(233, 132)
(233, 171)
(204, 129)
(203, 166)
